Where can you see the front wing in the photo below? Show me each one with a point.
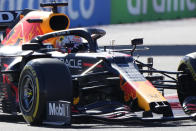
(114, 112)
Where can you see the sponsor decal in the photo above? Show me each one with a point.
(86, 13)
(8, 16)
(94, 12)
(126, 11)
(159, 6)
(59, 111)
(81, 12)
(73, 63)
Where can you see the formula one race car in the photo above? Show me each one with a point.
(55, 75)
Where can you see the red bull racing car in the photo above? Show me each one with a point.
(56, 75)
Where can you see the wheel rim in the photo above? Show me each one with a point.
(27, 93)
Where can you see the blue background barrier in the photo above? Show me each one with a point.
(81, 12)
(103, 12)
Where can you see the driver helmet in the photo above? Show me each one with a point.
(68, 44)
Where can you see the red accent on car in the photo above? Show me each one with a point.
(6, 80)
(89, 65)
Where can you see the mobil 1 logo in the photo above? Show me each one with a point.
(59, 111)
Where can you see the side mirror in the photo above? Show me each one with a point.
(31, 46)
(138, 41)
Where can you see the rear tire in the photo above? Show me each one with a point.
(42, 80)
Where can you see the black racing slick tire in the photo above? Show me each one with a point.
(186, 84)
(42, 80)
(186, 89)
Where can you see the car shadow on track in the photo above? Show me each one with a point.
(134, 125)
(12, 118)
(87, 124)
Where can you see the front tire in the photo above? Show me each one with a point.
(187, 90)
(42, 80)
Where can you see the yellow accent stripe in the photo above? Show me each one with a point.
(146, 94)
(37, 100)
(28, 119)
(76, 100)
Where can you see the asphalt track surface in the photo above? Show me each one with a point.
(168, 42)
(162, 33)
